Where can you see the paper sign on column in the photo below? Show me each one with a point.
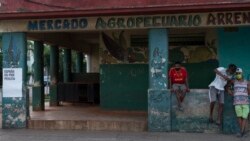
(12, 82)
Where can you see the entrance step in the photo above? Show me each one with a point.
(93, 125)
(84, 116)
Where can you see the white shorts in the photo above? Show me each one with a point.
(215, 94)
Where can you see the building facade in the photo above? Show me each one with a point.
(130, 45)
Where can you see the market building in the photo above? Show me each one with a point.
(130, 46)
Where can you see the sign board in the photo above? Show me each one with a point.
(186, 20)
(12, 82)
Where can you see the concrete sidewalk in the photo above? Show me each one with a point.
(80, 135)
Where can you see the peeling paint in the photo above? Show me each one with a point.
(158, 58)
(14, 113)
(15, 109)
(157, 113)
(159, 116)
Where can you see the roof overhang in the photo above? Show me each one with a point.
(93, 9)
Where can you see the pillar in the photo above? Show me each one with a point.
(93, 63)
(79, 62)
(88, 64)
(159, 118)
(15, 103)
(38, 87)
(84, 69)
(66, 65)
(54, 72)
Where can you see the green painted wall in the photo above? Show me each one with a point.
(124, 86)
(201, 74)
(234, 47)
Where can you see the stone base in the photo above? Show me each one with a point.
(159, 115)
(14, 113)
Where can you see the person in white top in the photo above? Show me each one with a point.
(216, 89)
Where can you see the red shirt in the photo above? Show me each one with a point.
(178, 77)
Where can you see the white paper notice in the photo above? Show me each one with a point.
(12, 82)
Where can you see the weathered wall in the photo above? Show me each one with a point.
(234, 47)
(14, 105)
(159, 116)
(116, 47)
(199, 59)
(195, 116)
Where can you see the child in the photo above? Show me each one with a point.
(241, 102)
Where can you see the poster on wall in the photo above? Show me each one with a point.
(12, 82)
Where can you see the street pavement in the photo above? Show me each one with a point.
(81, 135)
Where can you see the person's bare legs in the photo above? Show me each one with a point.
(182, 96)
(211, 111)
(243, 126)
(240, 122)
(220, 110)
(178, 97)
(240, 125)
(177, 93)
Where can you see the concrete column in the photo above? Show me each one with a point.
(54, 72)
(15, 103)
(93, 63)
(84, 69)
(38, 88)
(79, 62)
(233, 47)
(88, 65)
(159, 116)
(66, 65)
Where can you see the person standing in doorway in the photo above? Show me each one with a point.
(240, 92)
(178, 79)
(216, 90)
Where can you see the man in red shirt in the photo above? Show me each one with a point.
(178, 79)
